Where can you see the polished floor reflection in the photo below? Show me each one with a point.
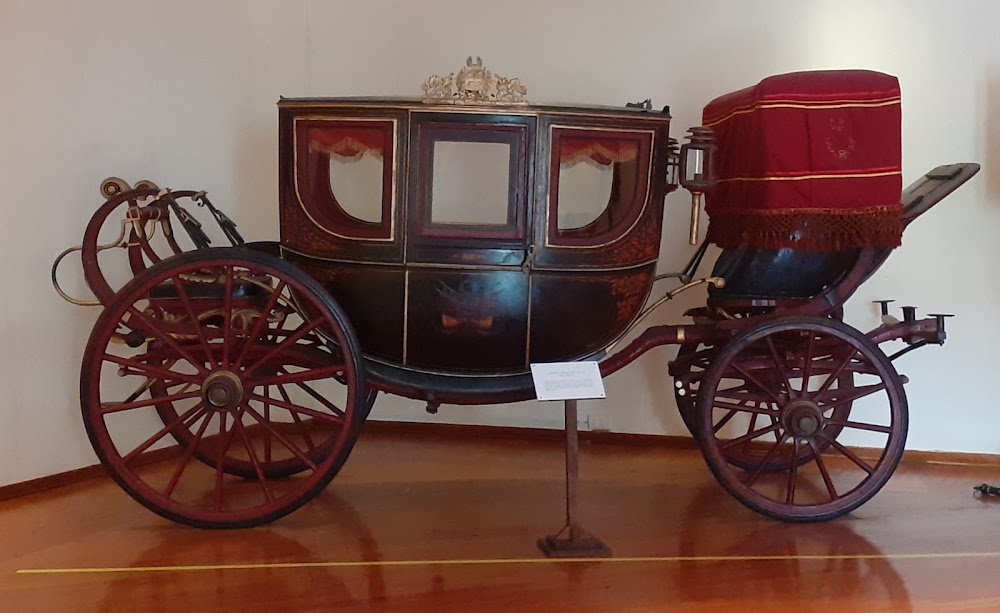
(464, 514)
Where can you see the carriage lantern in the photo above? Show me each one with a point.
(698, 171)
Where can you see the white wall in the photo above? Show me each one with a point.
(183, 92)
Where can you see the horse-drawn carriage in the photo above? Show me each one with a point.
(435, 249)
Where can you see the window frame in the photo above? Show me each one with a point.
(322, 208)
(644, 160)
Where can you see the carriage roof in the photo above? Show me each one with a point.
(637, 110)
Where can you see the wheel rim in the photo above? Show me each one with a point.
(687, 370)
(267, 384)
(784, 393)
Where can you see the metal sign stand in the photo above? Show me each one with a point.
(572, 541)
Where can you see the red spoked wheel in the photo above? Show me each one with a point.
(780, 392)
(232, 357)
(687, 369)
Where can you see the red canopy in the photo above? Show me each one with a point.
(810, 160)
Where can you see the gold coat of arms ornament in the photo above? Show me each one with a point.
(474, 85)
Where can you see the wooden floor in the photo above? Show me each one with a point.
(421, 522)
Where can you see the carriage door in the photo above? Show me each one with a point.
(469, 190)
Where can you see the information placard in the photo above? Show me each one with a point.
(567, 381)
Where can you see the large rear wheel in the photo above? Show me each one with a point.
(234, 358)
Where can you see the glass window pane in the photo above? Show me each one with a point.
(584, 192)
(357, 186)
(597, 184)
(471, 183)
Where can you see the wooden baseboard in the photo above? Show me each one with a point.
(446, 432)
(41, 484)
(71, 477)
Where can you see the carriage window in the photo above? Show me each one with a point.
(598, 184)
(471, 179)
(470, 183)
(344, 175)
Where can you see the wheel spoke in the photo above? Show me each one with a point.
(313, 374)
(743, 408)
(226, 439)
(753, 423)
(749, 377)
(807, 365)
(742, 395)
(725, 420)
(822, 470)
(779, 365)
(855, 393)
(260, 324)
(285, 344)
(148, 383)
(148, 369)
(253, 460)
(835, 374)
(290, 406)
(298, 421)
(167, 339)
(860, 426)
(267, 435)
(767, 458)
(319, 398)
(749, 437)
(776, 422)
(188, 454)
(284, 441)
(849, 454)
(115, 407)
(227, 317)
(182, 293)
(196, 411)
(792, 472)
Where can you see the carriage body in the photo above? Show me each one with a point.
(446, 279)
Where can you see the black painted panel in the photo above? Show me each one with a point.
(467, 321)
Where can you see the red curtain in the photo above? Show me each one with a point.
(601, 151)
(348, 143)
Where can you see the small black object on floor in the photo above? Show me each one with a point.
(987, 490)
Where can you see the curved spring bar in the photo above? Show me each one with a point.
(717, 282)
(135, 236)
(124, 240)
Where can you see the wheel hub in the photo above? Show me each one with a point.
(222, 391)
(802, 419)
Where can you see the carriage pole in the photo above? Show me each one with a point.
(572, 541)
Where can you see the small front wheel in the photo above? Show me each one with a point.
(816, 404)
